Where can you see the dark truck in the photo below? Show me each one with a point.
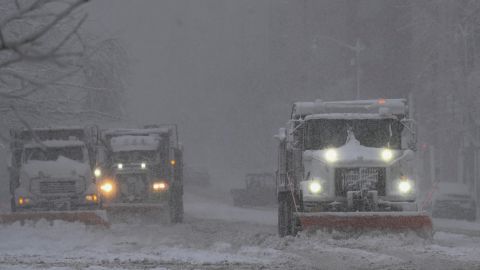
(142, 172)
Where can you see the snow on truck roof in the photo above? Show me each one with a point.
(374, 106)
(134, 143)
(55, 143)
(140, 131)
(348, 116)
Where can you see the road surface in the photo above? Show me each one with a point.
(216, 235)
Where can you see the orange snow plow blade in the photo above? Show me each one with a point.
(91, 218)
(358, 222)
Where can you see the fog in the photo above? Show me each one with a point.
(202, 65)
(227, 72)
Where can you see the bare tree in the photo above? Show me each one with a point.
(40, 47)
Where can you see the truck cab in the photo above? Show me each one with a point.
(142, 171)
(53, 172)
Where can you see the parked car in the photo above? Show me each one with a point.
(196, 176)
(259, 190)
(455, 201)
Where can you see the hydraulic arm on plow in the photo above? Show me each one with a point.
(348, 166)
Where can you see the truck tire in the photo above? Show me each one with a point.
(176, 205)
(13, 206)
(285, 215)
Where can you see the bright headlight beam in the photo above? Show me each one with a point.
(120, 166)
(143, 165)
(159, 186)
(331, 155)
(315, 187)
(97, 172)
(387, 154)
(404, 186)
(107, 187)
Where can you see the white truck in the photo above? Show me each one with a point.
(51, 169)
(348, 166)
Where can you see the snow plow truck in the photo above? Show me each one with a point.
(51, 176)
(348, 166)
(142, 174)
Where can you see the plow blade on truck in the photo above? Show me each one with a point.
(361, 222)
(97, 218)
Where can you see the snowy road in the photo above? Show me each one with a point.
(223, 238)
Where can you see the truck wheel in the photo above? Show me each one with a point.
(176, 206)
(285, 215)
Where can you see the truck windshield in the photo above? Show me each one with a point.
(53, 153)
(134, 156)
(324, 133)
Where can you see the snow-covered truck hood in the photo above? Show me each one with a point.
(353, 154)
(60, 168)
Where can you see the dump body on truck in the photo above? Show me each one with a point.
(348, 165)
(142, 171)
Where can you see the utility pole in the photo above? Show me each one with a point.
(357, 49)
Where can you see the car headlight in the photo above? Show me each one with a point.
(387, 154)
(315, 187)
(405, 186)
(159, 186)
(143, 165)
(120, 166)
(23, 200)
(107, 187)
(97, 172)
(331, 155)
(91, 198)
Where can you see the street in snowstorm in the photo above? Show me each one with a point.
(239, 134)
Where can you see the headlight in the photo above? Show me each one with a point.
(23, 201)
(91, 198)
(405, 186)
(331, 155)
(387, 154)
(106, 187)
(315, 187)
(143, 165)
(159, 186)
(97, 172)
(120, 166)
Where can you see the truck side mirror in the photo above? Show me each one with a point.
(409, 134)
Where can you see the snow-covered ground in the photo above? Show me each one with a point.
(217, 235)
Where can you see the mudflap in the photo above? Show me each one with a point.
(96, 218)
(137, 212)
(355, 223)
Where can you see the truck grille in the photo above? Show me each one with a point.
(356, 179)
(57, 186)
(54, 187)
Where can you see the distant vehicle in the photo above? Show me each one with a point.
(196, 176)
(259, 190)
(454, 200)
